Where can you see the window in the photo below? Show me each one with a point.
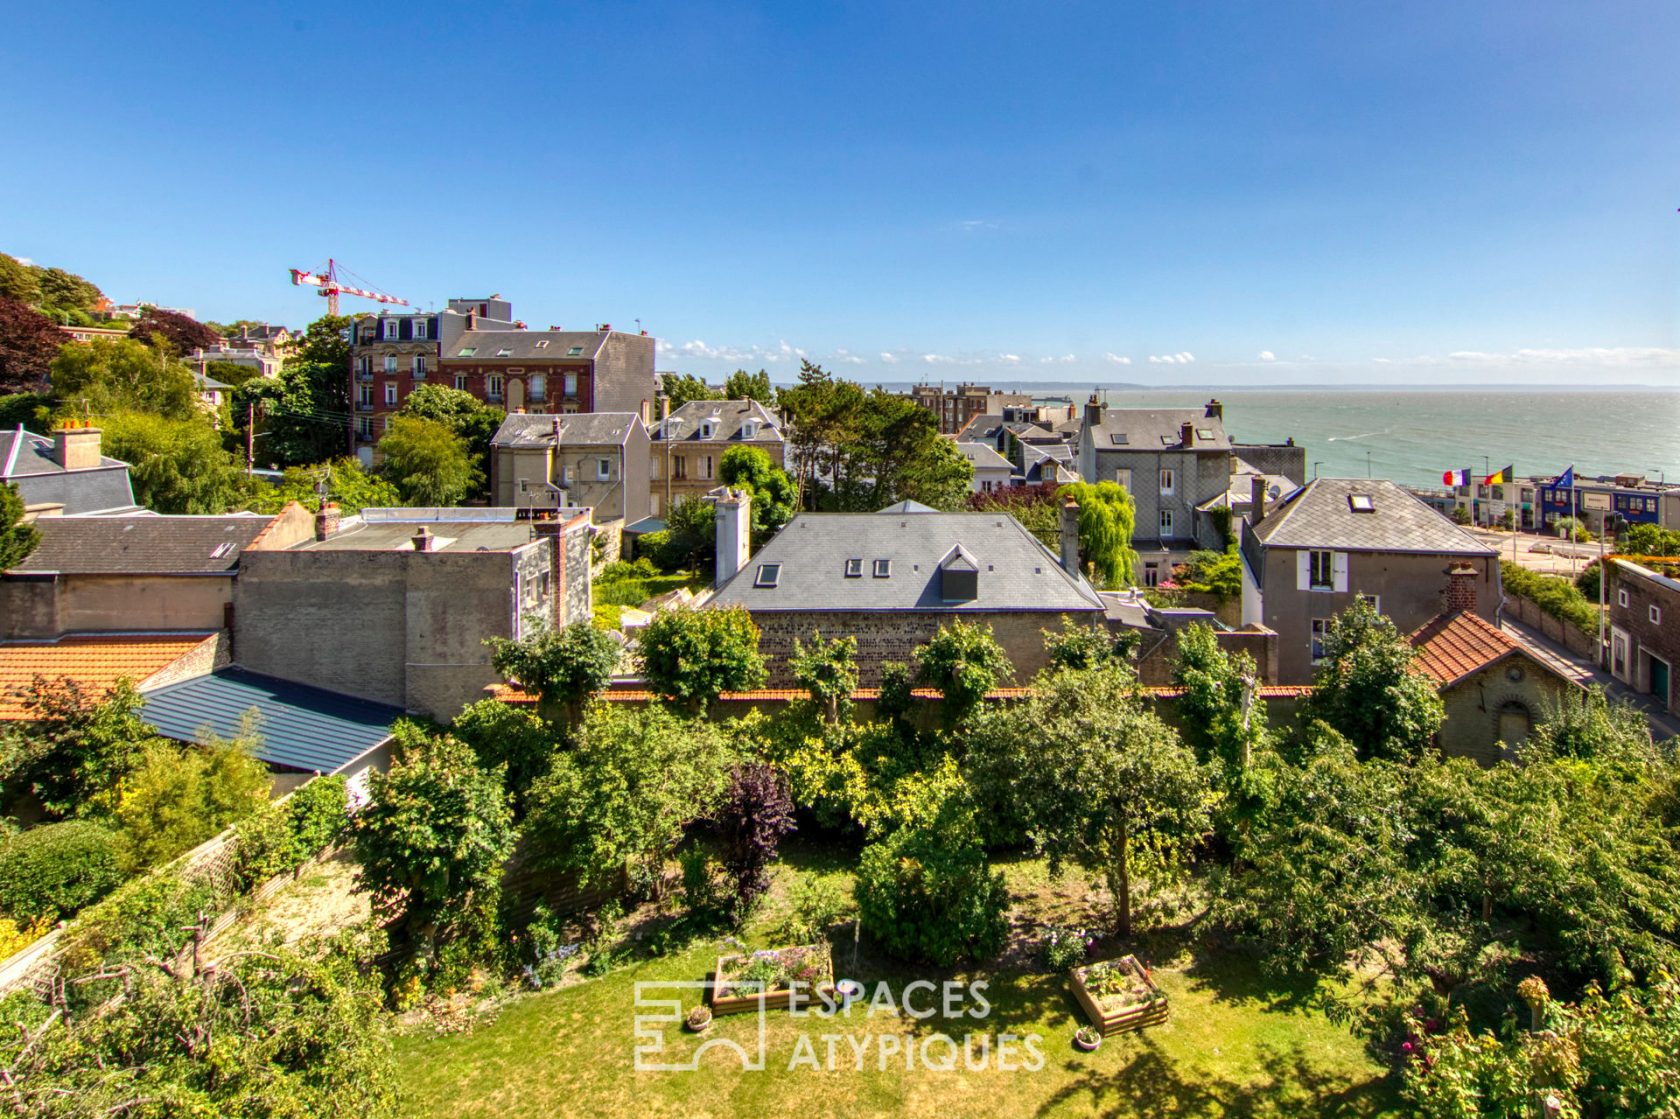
(1374, 601)
(467, 351)
(541, 344)
(854, 568)
(503, 351)
(1204, 433)
(1123, 476)
(1361, 503)
(603, 468)
(1320, 628)
(883, 568)
(575, 351)
(679, 468)
(493, 386)
(749, 429)
(390, 326)
(461, 381)
(707, 429)
(364, 427)
(364, 365)
(769, 574)
(419, 367)
(390, 392)
(364, 395)
(1166, 523)
(1117, 438)
(419, 330)
(1655, 614)
(539, 386)
(1322, 572)
(1168, 481)
(1621, 598)
(706, 467)
(569, 385)
(390, 363)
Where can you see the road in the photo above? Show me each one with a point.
(1557, 557)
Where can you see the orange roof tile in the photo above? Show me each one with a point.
(1452, 646)
(96, 662)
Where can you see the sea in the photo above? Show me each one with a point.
(1413, 435)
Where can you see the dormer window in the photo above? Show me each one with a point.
(749, 429)
(419, 330)
(391, 328)
(707, 429)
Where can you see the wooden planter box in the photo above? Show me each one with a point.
(725, 1001)
(1151, 1012)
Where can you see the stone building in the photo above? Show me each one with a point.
(689, 444)
(597, 460)
(64, 473)
(394, 605)
(1644, 627)
(1336, 540)
(891, 579)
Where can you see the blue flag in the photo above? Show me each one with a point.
(1566, 479)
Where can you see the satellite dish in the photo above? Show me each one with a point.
(1274, 490)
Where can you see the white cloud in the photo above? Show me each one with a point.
(1267, 355)
(975, 225)
(1010, 359)
(1116, 359)
(663, 346)
(939, 359)
(888, 359)
(1180, 358)
(847, 357)
(1583, 355)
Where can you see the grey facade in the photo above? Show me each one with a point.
(594, 459)
(64, 473)
(1644, 627)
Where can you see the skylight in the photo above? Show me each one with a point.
(542, 345)
(1361, 503)
(1118, 438)
(574, 351)
(1168, 440)
(504, 352)
(854, 568)
(467, 351)
(769, 574)
(1204, 433)
(883, 568)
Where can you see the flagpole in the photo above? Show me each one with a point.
(1573, 522)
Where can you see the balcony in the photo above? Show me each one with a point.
(364, 405)
(420, 373)
(364, 374)
(493, 397)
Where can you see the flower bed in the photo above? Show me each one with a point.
(1119, 995)
(766, 978)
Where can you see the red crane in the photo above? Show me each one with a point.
(331, 288)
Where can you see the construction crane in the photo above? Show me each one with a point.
(331, 288)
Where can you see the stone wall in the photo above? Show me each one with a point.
(1525, 611)
(1519, 686)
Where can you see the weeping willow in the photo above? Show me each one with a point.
(1106, 519)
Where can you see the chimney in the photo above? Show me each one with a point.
(734, 531)
(76, 448)
(1216, 410)
(1094, 412)
(1461, 587)
(1070, 536)
(326, 521)
(1257, 500)
(1070, 409)
(423, 540)
(1187, 434)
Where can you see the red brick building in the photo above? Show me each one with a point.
(554, 371)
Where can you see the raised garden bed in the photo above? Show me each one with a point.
(765, 979)
(1119, 995)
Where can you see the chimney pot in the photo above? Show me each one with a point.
(76, 448)
(423, 540)
(1215, 410)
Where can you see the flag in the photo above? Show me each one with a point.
(1566, 479)
(1501, 477)
(1456, 478)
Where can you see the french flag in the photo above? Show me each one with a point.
(1456, 478)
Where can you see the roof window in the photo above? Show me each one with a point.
(1204, 433)
(574, 351)
(225, 548)
(504, 352)
(1118, 438)
(467, 351)
(769, 574)
(883, 568)
(854, 568)
(1361, 503)
(541, 344)
(1169, 441)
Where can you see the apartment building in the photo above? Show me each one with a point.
(689, 444)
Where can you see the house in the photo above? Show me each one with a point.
(955, 407)
(593, 459)
(251, 356)
(135, 573)
(97, 662)
(564, 371)
(1494, 688)
(689, 444)
(991, 470)
(395, 605)
(892, 578)
(64, 473)
(1644, 622)
(1338, 539)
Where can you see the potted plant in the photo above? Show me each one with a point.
(699, 1019)
(1087, 1038)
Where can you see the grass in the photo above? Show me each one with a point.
(1232, 1045)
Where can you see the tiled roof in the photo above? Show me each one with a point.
(1452, 646)
(141, 545)
(1321, 514)
(299, 727)
(580, 429)
(96, 662)
(728, 418)
(526, 345)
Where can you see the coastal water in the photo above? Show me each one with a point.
(1412, 435)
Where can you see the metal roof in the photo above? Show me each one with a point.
(301, 727)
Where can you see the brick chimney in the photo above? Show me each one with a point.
(326, 521)
(1187, 434)
(1461, 587)
(734, 532)
(423, 540)
(1257, 499)
(1094, 412)
(1215, 410)
(76, 448)
(1070, 536)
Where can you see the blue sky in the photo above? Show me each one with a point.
(1244, 193)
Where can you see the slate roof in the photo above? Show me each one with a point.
(1452, 646)
(1320, 515)
(141, 545)
(26, 460)
(730, 415)
(95, 661)
(1016, 572)
(580, 429)
(1157, 429)
(908, 506)
(983, 457)
(300, 727)
(526, 345)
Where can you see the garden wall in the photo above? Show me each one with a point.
(1529, 614)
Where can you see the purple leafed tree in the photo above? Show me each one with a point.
(757, 812)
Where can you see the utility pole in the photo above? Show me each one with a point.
(250, 439)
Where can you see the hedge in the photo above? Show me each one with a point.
(1553, 594)
(54, 870)
(283, 836)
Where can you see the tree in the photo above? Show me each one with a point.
(774, 498)
(1106, 517)
(828, 670)
(428, 463)
(305, 410)
(688, 542)
(757, 812)
(1102, 782)
(1650, 540)
(1369, 689)
(1215, 573)
(78, 746)
(504, 736)
(1219, 704)
(937, 475)
(18, 281)
(66, 291)
(108, 375)
(175, 798)
(1078, 646)
(17, 539)
(176, 466)
(894, 452)
(694, 655)
(683, 388)
(623, 796)
(1036, 507)
(963, 662)
(461, 412)
(182, 333)
(1586, 724)
(925, 889)
(742, 385)
(564, 668)
(28, 343)
(432, 840)
(350, 487)
(826, 414)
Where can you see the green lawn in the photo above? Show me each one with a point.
(1231, 1048)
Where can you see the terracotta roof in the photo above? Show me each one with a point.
(508, 693)
(96, 662)
(1452, 646)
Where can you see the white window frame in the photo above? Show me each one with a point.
(603, 469)
(418, 367)
(494, 387)
(1321, 570)
(419, 330)
(390, 363)
(1169, 480)
(538, 387)
(705, 468)
(390, 392)
(1123, 478)
(389, 332)
(1622, 597)
(569, 384)
(1654, 613)
(461, 381)
(1374, 599)
(1166, 524)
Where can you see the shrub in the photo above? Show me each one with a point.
(176, 799)
(284, 836)
(818, 904)
(1061, 950)
(1553, 594)
(56, 869)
